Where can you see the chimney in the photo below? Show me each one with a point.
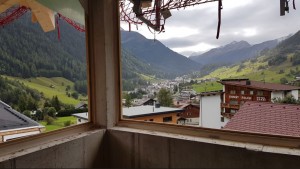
(248, 82)
(157, 105)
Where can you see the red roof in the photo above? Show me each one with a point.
(267, 118)
(260, 85)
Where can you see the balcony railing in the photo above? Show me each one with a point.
(227, 115)
(230, 106)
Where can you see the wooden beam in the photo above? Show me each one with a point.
(44, 15)
(6, 4)
(33, 18)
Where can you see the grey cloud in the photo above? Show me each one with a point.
(262, 15)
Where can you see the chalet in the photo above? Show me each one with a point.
(15, 125)
(81, 117)
(81, 105)
(152, 113)
(144, 102)
(266, 118)
(238, 91)
(190, 115)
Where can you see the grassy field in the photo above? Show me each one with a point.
(58, 123)
(259, 71)
(208, 86)
(151, 79)
(51, 87)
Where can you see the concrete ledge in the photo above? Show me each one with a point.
(38, 146)
(248, 146)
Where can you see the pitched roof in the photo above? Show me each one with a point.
(11, 119)
(80, 105)
(186, 105)
(267, 118)
(259, 85)
(140, 111)
(84, 116)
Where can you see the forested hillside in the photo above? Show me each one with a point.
(26, 51)
(157, 55)
(18, 95)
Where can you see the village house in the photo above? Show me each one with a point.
(217, 108)
(210, 110)
(266, 118)
(238, 91)
(15, 125)
(190, 115)
(155, 113)
(144, 102)
(81, 117)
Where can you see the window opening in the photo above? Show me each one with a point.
(43, 72)
(184, 74)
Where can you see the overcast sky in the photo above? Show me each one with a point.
(194, 29)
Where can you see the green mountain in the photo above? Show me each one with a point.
(233, 53)
(278, 65)
(26, 51)
(157, 55)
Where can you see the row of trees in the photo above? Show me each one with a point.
(164, 97)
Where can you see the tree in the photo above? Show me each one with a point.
(75, 95)
(283, 80)
(287, 100)
(27, 113)
(165, 98)
(175, 89)
(49, 120)
(128, 100)
(55, 103)
(49, 111)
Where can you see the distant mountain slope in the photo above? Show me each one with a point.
(280, 64)
(233, 52)
(26, 51)
(157, 55)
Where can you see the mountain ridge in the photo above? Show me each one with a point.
(156, 54)
(233, 52)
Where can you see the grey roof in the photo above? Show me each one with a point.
(139, 111)
(84, 116)
(81, 104)
(11, 119)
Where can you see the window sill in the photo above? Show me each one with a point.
(23, 146)
(253, 141)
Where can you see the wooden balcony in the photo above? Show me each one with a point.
(230, 106)
(227, 115)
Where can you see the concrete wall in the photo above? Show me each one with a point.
(83, 152)
(121, 149)
(133, 150)
(192, 121)
(277, 94)
(226, 120)
(295, 93)
(210, 111)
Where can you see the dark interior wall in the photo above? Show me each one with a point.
(84, 152)
(133, 150)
